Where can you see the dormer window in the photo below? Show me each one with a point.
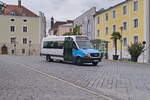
(12, 20)
(12, 13)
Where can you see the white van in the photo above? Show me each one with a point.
(75, 49)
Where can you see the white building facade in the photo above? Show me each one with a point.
(86, 23)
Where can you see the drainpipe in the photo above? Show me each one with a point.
(147, 28)
(149, 31)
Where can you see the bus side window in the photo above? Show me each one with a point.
(55, 45)
(50, 44)
(45, 44)
(60, 44)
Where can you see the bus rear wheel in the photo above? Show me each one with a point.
(79, 61)
(95, 63)
(48, 58)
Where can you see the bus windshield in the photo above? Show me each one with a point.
(85, 44)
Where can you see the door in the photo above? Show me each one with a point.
(68, 46)
(4, 49)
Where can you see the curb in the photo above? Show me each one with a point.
(118, 61)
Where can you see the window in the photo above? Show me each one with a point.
(24, 40)
(106, 17)
(12, 28)
(74, 46)
(88, 21)
(124, 25)
(25, 29)
(53, 44)
(114, 28)
(70, 29)
(60, 44)
(98, 20)
(114, 14)
(136, 22)
(124, 42)
(124, 10)
(12, 40)
(12, 20)
(106, 31)
(136, 39)
(46, 44)
(12, 13)
(23, 51)
(24, 20)
(82, 22)
(135, 5)
(98, 32)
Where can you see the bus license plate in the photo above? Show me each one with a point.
(95, 60)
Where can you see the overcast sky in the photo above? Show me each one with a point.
(63, 9)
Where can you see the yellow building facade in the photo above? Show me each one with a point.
(128, 18)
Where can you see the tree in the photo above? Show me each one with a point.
(115, 36)
(68, 33)
(135, 50)
(76, 31)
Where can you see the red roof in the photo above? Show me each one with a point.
(18, 11)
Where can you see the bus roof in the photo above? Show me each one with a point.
(61, 38)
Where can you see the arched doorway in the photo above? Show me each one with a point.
(4, 49)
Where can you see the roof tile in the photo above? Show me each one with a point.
(19, 11)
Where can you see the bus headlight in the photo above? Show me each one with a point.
(87, 55)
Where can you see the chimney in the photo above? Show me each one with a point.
(52, 22)
(19, 3)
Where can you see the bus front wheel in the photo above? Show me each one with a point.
(95, 63)
(48, 58)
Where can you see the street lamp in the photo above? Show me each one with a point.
(121, 28)
(144, 43)
(30, 47)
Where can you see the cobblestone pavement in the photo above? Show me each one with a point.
(17, 82)
(120, 81)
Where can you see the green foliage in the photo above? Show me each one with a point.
(135, 49)
(68, 33)
(115, 36)
(76, 31)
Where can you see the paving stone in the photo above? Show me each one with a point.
(122, 81)
(21, 83)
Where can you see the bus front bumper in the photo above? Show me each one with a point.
(90, 60)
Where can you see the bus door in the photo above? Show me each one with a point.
(68, 46)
